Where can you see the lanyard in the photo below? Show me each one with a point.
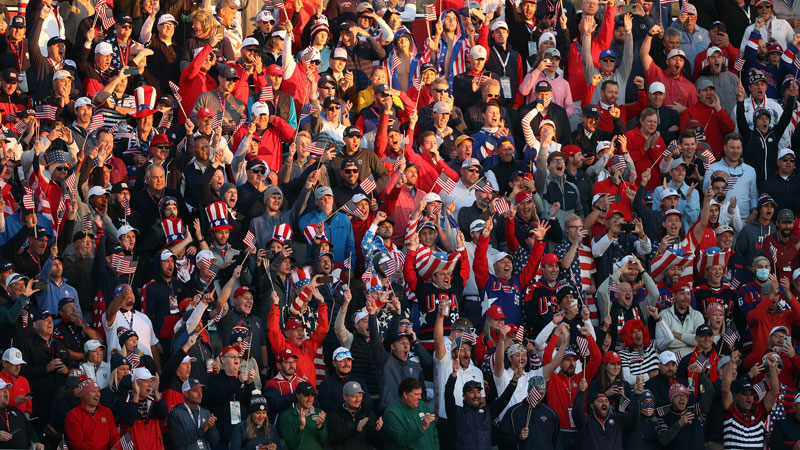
(129, 322)
(502, 62)
(18, 53)
(6, 422)
(123, 58)
(191, 414)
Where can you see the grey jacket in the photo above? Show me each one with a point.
(185, 433)
(620, 75)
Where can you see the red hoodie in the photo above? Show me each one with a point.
(561, 389)
(600, 42)
(269, 144)
(193, 83)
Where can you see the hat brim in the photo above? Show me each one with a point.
(131, 117)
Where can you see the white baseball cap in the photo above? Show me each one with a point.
(91, 344)
(104, 48)
(785, 151)
(477, 52)
(657, 86)
(259, 108)
(667, 356)
(141, 373)
(477, 225)
(61, 74)
(250, 42)
(669, 192)
(83, 101)
(498, 24)
(432, 197)
(188, 359)
(265, 16)
(97, 190)
(166, 18)
(499, 257)
(13, 355)
(125, 229)
(4, 385)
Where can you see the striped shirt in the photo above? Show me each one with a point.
(744, 429)
(639, 362)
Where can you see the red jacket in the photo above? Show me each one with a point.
(730, 53)
(643, 159)
(717, 125)
(600, 42)
(627, 111)
(193, 83)
(307, 350)
(428, 171)
(623, 206)
(241, 89)
(19, 387)
(785, 254)
(269, 145)
(282, 385)
(91, 432)
(561, 389)
(761, 322)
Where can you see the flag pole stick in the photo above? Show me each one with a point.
(467, 191)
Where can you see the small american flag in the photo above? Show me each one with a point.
(27, 199)
(123, 264)
(315, 149)
(620, 164)
(613, 286)
(685, 7)
(472, 338)
(501, 206)
(347, 263)
(273, 4)
(248, 241)
(62, 205)
(436, 209)
(134, 360)
(729, 183)
(166, 121)
(797, 61)
(87, 222)
(100, 9)
(366, 277)
(730, 337)
(176, 91)
(62, 445)
(533, 398)
(352, 209)
(96, 123)
(735, 283)
(266, 94)
(417, 80)
(125, 442)
(245, 345)
(709, 159)
(115, 127)
(126, 206)
(739, 63)
(216, 121)
(210, 266)
(484, 186)
(395, 62)
(20, 126)
(48, 112)
(221, 312)
(520, 336)
(368, 185)
(430, 12)
(391, 268)
(445, 183)
(672, 146)
(398, 163)
(306, 111)
(583, 346)
(69, 183)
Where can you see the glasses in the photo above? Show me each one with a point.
(316, 62)
(350, 171)
(473, 170)
(789, 160)
(334, 108)
(764, 7)
(259, 171)
(250, 49)
(64, 168)
(126, 27)
(342, 355)
(609, 60)
(492, 95)
(405, 323)
(328, 86)
(440, 91)
(162, 147)
(232, 356)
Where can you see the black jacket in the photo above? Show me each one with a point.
(343, 428)
(473, 426)
(606, 435)
(761, 150)
(543, 427)
(784, 191)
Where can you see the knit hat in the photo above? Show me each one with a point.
(123, 334)
(86, 386)
(257, 402)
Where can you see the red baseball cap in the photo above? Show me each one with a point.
(284, 355)
(274, 70)
(571, 149)
(679, 286)
(495, 312)
(550, 258)
(242, 289)
(512, 331)
(162, 139)
(291, 324)
(235, 348)
(523, 196)
(611, 357)
(204, 112)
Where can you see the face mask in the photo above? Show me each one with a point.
(762, 274)
(648, 408)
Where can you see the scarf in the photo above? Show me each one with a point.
(709, 364)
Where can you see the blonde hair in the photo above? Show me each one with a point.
(208, 23)
(253, 430)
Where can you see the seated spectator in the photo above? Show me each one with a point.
(256, 430)
(304, 427)
(353, 424)
(407, 420)
(80, 426)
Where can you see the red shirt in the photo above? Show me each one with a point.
(269, 144)
(623, 205)
(716, 125)
(679, 90)
(86, 431)
(643, 158)
(20, 387)
(193, 82)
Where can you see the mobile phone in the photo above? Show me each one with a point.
(326, 279)
(787, 340)
(619, 384)
(627, 227)
(131, 71)
(628, 9)
(529, 176)
(40, 285)
(675, 240)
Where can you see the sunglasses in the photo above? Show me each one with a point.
(405, 323)
(315, 62)
(764, 7)
(492, 95)
(440, 90)
(473, 170)
(609, 60)
(63, 168)
(350, 171)
(126, 27)
(790, 160)
(259, 171)
(334, 108)
(162, 147)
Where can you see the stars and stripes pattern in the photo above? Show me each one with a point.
(709, 159)
(306, 111)
(123, 264)
(445, 183)
(315, 149)
(101, 10)
(583, 346)
(96, 123)
(533, 398)
(27, 199)
(729, 183)
(484, 186)
(126, 442)
(352, 209)
(620, 164)
(430, 12)
(69, 182)
(126, 205)
(47, 112)
(368, 185)
(730, 337)
(470, 337)
(398, 163)
(520, 335)
(86, 221)
(685, 7)
(501, 206)
(739, 63)
(249, 241)
(796, 62)
(216, 121)
(266, 94)
(166, 121)
(134, 360)
(176, 91)
(20, 126)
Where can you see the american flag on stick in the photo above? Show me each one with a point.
(20, 126)
(501, 206)
(685, 7)
(583, 346)
(445, 183)
(739, 63)
(436, 209)
(395, 62)
(366, 277)
(472, 338)
(398, 162)
(729, 183)
(126, 206)
(796, 61)
(134, 360)
(533, 398)
(47, 112)
(245, 345)
(62, 205)
(166, 121)
(27, 199)
(87, 222)
(100, 9)
(315, 149)
(210, 266)
(391, 267)
(368, 185)
(221, 312)
(347, 263)
(125, 442)
(266, 94)
(96, 123)
(709, 158)
(248, 241)
(123, 264)
(306, 111)
(69, 182)
(620, 164)
(430, 12)
(216, 121)
(352, 209)
(484, 186)
(730, 337)
(176, 91)
(520, 335)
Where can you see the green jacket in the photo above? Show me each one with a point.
(309, 438)
(402, 428)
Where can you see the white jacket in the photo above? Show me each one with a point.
(687, 342)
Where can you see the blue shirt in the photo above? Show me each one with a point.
(339, 230)
(48, 299)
